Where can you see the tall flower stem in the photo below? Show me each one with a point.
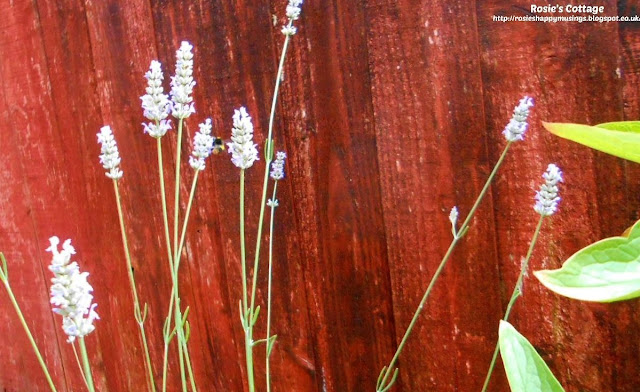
(389, 373)
(269, 340)
(176, 206)
(139, 314)
(165, 218)
(75, 354)
(517, 291)
(268, 158)
(86, 365)
(178, 255)
(5, 280)
(246, 314)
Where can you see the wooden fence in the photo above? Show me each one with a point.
(391, 113)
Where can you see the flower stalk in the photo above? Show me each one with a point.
(546, 205)
(514, 131)
(4, 277)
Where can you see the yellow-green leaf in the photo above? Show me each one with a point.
(621, 139)
(526, 370)
(605, 271)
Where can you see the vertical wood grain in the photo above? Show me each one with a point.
(391, 113)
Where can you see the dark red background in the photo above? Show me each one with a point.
(391, 113)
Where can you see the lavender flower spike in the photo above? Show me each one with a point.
(277, 167)
(242, 149)
(155, 102)
(518, 124)
(110, 157)
(182, 83)
(202, 146)
(547, 197)
(70, 292)
(293, 13)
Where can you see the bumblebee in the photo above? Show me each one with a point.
(218, 146)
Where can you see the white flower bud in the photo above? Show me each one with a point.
(518, 124)
(547, 197)
(277, 167)
(242, 149)
(202, 146)
(155, 102)
(70, 292)
(182, 83)
(110, 157)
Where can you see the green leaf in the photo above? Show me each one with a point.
(605, 271)
(621, 139)
(526, 370)
(622, 126)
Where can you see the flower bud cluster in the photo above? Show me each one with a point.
(547, 197)
(70, 292)
(182, 83)
(518, 124)
(242, 149)
(109, 157)
(277, 167)
(155, 102)
(202, 146)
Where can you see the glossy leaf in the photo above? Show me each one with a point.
(622, 126)
(621, 139)
(606, 271)
(526, 370)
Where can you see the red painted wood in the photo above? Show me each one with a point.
(391, 113)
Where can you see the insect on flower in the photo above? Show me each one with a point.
(219, 145)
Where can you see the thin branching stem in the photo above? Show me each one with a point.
(250, 313)
(517, 291)
(269, 341)
(176, 269)
(390, 370)
(132, 283)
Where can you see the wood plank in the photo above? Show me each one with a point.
(571, 71)
(432, 152)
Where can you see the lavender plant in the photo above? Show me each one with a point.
(513, 132)
(110, 159)
(546, 204)
(244, 154)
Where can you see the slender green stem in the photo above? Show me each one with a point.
(517, 291)
(165, 365)
(86, 365)
(14, 302)
(165, 218)
(390, 369)
(178, 256)
(268, 158)
(176, 215)
(256, 262)
(176, 204)
(134, 291)
(163, 196)
(75, 354)
(269, 342)
(247, 316)
(243, 252)
(178, 322)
